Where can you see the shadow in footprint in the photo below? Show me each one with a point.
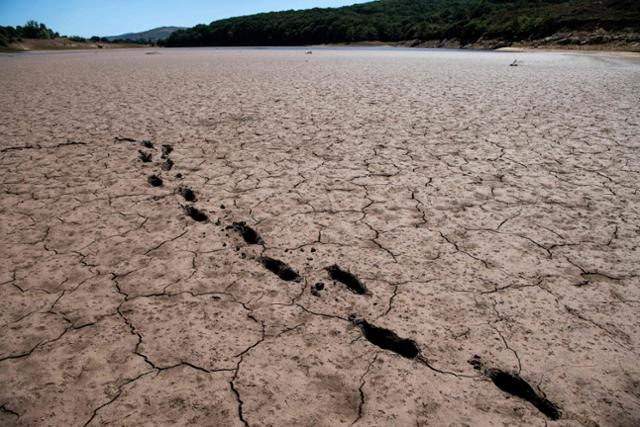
(347, 279)
(187, 193)
(154, 181)
(280, 269)
(144, 157)
(388, 340)
(248, 234)
(513, 384)
(195, 214)
(147, 144)
(167, 165)
(166, 150)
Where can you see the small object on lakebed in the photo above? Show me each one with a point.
(317, 288)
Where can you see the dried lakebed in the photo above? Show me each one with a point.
(250, 237)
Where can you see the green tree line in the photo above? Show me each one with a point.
(36, 30)
(400, 20)
(30, 30)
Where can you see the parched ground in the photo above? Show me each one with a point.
(378, 238)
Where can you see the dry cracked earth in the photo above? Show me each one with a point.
(353, 237)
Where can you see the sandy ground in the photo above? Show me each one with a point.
(482, 223)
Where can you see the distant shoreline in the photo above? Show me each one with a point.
(589, 50)
(594, 50)
(62, 43)
(497, 45)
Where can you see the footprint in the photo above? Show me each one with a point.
(388, 340)
(144, 157)
(195, 214)
(248, 234)
(187, 193)
(155, 181)
(347, 279)
(280, 269)
(516, 386)
(167, 165)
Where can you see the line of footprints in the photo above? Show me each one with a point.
(386, 339)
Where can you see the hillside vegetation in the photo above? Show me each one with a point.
(401, 20)
(149, 36)
(31, 30)
(37, 36)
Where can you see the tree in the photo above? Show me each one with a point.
(35, 30)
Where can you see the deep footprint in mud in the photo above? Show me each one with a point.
(167, 165)
(388, 340)
(248, 234)
(195, 214)
(280, 269)
(347, 279)
(154, 181)
(144, 157)
(166, 150)
(187, 193)
(513, 384)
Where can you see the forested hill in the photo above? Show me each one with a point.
(152, 35)
(399, 20)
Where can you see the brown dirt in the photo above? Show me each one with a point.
(63, 43)
(490, 213)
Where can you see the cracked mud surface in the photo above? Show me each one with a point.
(492, 213)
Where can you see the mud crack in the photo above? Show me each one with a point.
(363, 382)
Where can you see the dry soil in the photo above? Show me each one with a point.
(374, 238)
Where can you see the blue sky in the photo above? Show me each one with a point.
(112, 17)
